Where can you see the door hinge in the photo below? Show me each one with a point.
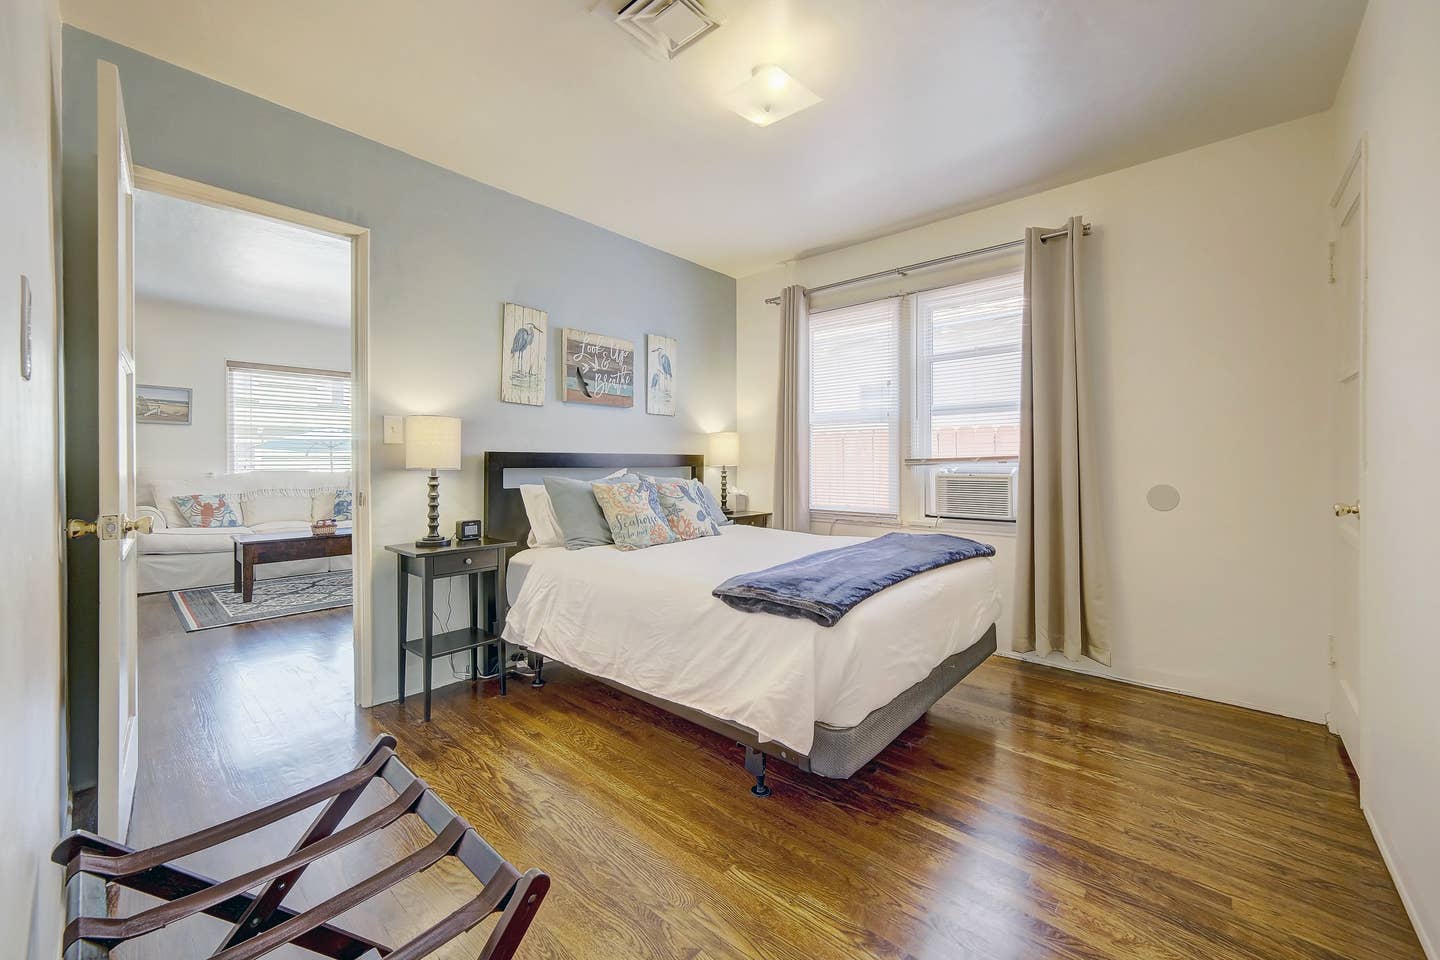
(1332, 261)
(360, 498)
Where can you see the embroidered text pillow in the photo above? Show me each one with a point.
(207, 510)
(632, 509)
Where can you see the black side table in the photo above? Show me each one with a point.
(480, 561)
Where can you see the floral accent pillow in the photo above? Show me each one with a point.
(344, 510)
(687, 509)
(632, 508)
(207, 510)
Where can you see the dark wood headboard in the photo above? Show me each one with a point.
(505, 511)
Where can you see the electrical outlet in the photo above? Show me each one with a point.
(394, 429)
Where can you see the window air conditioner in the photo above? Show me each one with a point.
(973, 491)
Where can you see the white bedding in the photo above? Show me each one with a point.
(646, 619)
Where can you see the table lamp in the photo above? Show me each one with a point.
(432, 443)
(724, 453)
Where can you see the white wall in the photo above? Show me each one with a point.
(1391, 97)
(32, 791)
(1208, 296)
(183, 345)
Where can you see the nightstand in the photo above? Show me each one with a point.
(483, 562)
(750, 518)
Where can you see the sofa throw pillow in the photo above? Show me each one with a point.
(208, 510)
(632, 509)
(687, 510)
(344, 510)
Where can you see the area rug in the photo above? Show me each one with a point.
(204, 608)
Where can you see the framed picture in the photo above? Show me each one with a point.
(522, 355)
(660, 361)
(165, 405)
(598, 369)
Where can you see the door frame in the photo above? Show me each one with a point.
(157, 181)
(1356, 172)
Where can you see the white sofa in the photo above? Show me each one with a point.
(177, 556)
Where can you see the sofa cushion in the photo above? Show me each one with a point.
(280, 526)
(269, 506)
(190, 540)
(244, 485)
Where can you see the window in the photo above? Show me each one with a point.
(967, 370)
(855, 409)
(287, 418)
(956, 380)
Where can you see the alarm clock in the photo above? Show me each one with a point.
(467, 530)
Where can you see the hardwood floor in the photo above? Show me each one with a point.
(1033, 813)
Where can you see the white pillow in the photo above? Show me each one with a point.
(544, 526)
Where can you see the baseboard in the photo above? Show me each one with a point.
(1091, 669)
(1421, 934)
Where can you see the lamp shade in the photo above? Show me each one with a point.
(724, 449)
(432, 443)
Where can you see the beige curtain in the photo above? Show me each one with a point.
(792, 422)
(1060, 561)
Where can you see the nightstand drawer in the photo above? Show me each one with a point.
(750, 518)
(452, 563)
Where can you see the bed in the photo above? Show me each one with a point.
(826, 700)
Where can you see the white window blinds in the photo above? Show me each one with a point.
(287, 418)
(855, 409)
(967, 369)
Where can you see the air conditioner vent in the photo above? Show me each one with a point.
(666, 28)
(979, 492)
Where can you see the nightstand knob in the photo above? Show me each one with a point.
(469, 560)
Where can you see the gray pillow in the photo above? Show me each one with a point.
(578, 512)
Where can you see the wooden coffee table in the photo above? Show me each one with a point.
(253, 548)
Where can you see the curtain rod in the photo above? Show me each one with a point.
(927, 264)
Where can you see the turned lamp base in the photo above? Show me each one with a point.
(433, 537)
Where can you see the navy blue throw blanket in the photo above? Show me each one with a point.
(825, 586)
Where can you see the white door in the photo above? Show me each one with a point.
(1347, 469)
(119, 717)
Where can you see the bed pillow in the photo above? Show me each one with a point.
(687, 510)
(715, 510)
(632, 509)
(576, 511)
(544, 526)
(208, 509)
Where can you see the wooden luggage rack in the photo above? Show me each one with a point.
(252, 901)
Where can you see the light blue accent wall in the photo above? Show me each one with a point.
(447, 251)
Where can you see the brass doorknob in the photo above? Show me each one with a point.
(1347, 509)
(108, 527)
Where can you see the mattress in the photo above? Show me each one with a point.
(646, 619)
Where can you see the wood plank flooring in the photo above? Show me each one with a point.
(1034, 813)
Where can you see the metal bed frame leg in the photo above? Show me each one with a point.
(755, 766)
(537, 662)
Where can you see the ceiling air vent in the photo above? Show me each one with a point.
(665, 28)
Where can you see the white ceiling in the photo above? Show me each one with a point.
(212, 257)
(931, 107)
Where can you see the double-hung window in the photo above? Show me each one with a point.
(286, 418)
(967, 370)
(928, 379)
(855, 410)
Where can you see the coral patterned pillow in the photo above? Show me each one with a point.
(687, 509)
(207, 510)
(632, 508)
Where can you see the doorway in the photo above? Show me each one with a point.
(1347, 275)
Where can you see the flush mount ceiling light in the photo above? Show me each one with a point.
(769, 95)
(665, 28)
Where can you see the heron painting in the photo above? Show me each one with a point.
(522, 355)
(660, 375)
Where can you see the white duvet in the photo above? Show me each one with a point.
(646, 619)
